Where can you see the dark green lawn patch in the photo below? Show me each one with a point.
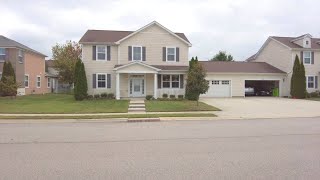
(177, 106)
(111, 116)
(314, 99)
(60, 104)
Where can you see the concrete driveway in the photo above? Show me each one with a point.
(263, 107)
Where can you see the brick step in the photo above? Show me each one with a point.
(143, 119)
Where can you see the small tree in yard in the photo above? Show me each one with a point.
(298, 80)
(8, 85)
(196, 82)
(65, 57)
(81, 86)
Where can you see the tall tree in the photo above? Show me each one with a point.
(81, 86)
(8, 85)
(222, 56)
(302, 81)
(65, 57)
(196, 82)
(294, 87)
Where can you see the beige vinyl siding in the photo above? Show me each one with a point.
(94, 67)
(154, 38)
(280, 57)
(238, 81)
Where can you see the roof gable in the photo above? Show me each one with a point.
(115, 37)
(136, 66)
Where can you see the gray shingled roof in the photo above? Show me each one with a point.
(287, 41)
(110, 36)
(239, 67)
(6, 42)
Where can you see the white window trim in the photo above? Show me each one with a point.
(175, 54)
(97, 85)
(314, 82)
(105, 52)
(170, 81)
(38, 81)
(4, 51)
(48, 82)
(25, 80)
(304, 62)
(133, 53)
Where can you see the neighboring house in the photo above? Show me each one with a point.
(150, 61)
(281, 52)
(29, 66)
(53, 80)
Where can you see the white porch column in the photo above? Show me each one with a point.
(155, 94)
(118, 86)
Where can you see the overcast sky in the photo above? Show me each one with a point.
(239, 27)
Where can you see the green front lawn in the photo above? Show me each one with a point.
(177, 106)
(60, 104)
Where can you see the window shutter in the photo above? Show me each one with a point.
(108, 53)
(143, 53)
(164, 54)
(94, 81)
(159, 81)
(177, 54)
(94, 53)
(130, 53)
(7, 54)
(108, 80)
(316, 82)
(181, 81)
(312, 57)
(301, 57)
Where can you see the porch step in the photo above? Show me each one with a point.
(137, 109)
(137, 106)
(137, 102)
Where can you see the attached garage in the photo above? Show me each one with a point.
(262, 87)
(230, 79)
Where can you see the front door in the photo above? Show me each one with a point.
(137, 87)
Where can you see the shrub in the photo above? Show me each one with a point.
(180, 97)
(80, 81)
(104, 95)
(172, 96)
(90, 97)
(149, 97)
(165, 95)
(111, 96)
(313, 94)
(96, 96)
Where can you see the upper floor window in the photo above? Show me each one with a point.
(307, 57)
(20, 56)
(171, 54)
(137, 53)
(101, 52)
(307, 42)
(2, 53)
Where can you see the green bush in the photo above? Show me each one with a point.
(80, 82)
(96, 96)
(90, 97)
(165, 95)
(111, 96)
(180, 97)
(313, 94)
(104, 95)
(149, 97)
(172, 96)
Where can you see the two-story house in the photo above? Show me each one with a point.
(28, 64)
(149, 61)
(280, 52)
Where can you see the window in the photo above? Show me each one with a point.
(171, 81)
(307, 42)
(137, 53)
(2, 54)
(225, 82)
(307, 57)
(171, 54)
(38, 81)
(20, 56)
(101, 80)
(214, 82)
(26, 80)
(101, 53)
(310, 81)
(49, 82)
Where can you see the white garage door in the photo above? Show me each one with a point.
(218, 88)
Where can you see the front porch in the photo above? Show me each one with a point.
(137, 80)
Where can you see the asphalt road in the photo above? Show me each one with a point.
(223, 149)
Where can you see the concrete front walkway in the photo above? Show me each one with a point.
(263, 107)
